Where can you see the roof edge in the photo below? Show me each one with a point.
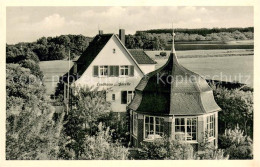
(128, 52)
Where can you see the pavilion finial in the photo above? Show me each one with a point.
(173, 48)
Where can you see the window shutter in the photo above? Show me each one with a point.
(131, 70)
(95, 71)
(110, 71)
(116, 71)
(123, 97)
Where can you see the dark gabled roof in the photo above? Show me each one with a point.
(141, 57)
(95, 46)
(173, 90)
(92, 51)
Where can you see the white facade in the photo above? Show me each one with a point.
(120, 89)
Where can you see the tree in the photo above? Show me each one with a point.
(88, 107)
(249, 35)
(31, 133)
(21, 83)
(42, 41)
(237, 109)
(238, 35)
(56, 52)
(42, 52)
(33, 66)
(130, 42)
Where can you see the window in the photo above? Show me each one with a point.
(135, 119)
(130, 96)
(186, 129)
(113, 97)
(114, 50)
(153, 127)
(126, 97)
(124, 70)
(103, 70)
(113, 71)
(211, 126)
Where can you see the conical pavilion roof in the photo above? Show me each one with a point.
(173, 90)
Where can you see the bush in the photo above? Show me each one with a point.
(101, 147)
(118, 124)
(236, 144)
(94, 147)
(166, 148)
(209, 152)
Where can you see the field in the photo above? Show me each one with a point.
(204, 53)
(228, 65)
(209, 45)
(52, 70)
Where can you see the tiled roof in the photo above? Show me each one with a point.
(141, 57)
(173, 90)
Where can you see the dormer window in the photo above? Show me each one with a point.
(114, 50)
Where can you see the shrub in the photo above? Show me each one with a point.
(96, 147)
(101, 147)
(166, 148)
(118, 123)
(236, 144)
(209, 152)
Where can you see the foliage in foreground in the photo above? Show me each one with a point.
(98, 147)
(31, 133)
(236, 144)
(168, 148)
(87, 139)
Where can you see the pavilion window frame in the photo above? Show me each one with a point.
(185, 125)
(211, 125)
(154, 124)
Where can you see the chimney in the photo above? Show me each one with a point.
(100, 32)
(122, 35)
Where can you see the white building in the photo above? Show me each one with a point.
(107, 64)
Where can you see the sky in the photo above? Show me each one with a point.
(27, 24)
